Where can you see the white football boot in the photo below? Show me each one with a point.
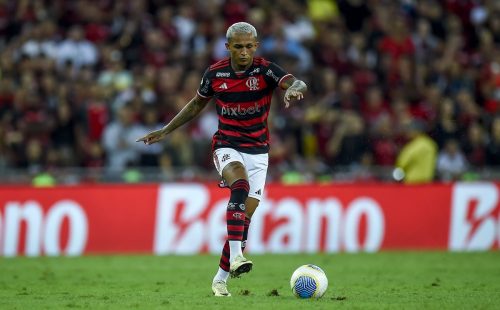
(239, 266)
(219, 288)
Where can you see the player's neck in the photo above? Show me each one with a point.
(238, 68)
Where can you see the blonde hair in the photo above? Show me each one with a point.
(240, 27)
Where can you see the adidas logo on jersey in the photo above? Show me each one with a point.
(223, 86)
(259, 192)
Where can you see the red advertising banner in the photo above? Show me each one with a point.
(190, 218)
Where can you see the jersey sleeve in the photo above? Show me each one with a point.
(275, 75)
(205, 90)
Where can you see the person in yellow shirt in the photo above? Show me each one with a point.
(322, 10)
(416, 163)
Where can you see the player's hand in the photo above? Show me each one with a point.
(292, 93)
(152, 137)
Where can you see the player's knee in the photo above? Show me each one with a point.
(239, 191)
(234, 171)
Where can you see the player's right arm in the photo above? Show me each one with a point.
(190, 111)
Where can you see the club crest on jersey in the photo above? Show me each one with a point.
(252, 83)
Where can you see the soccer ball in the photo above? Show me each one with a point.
(309, 281)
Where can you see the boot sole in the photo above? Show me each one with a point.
(244, 268)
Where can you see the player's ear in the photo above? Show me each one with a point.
(227, 46)
(257, 44)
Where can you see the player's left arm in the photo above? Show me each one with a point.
(294, 89)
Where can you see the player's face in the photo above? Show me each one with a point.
(242, 47)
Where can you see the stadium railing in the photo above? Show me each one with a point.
(78, 175)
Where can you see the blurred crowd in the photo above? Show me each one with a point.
(82, 80)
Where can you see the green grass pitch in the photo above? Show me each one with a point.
(386, 280)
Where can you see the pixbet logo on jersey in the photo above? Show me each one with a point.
(240, 111)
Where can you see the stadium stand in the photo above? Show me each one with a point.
(81, 80)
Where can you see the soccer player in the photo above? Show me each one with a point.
(242, 86)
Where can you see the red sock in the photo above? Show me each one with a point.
(235, 214)
(224, 258)
(235, 219)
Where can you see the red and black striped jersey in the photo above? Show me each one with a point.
(243, 101)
